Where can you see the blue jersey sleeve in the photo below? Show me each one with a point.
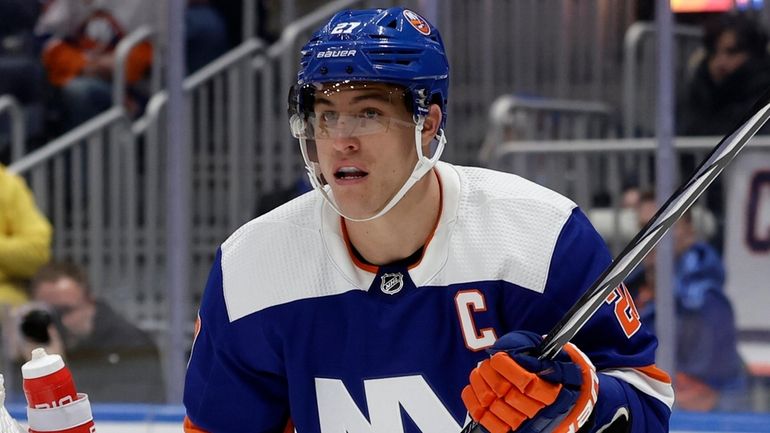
(620, 347)
(235, 375)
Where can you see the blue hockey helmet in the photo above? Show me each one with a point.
(395, 46)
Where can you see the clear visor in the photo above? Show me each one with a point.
(334, 124)
(333, 111)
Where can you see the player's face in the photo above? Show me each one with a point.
(365, 145)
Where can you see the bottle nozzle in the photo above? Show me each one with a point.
(39, 353)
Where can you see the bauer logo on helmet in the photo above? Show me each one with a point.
(335, 53)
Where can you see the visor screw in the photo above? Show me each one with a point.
(349, 69)
(324, 70)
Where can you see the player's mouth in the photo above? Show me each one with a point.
(349, 174)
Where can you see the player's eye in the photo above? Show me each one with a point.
(370, 114)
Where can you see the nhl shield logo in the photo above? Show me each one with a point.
(390, 284)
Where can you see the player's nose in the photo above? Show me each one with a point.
(345, 143)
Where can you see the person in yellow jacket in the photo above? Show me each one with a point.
(25, 237)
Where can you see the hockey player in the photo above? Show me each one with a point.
(363, 306)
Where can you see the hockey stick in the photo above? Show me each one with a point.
(650, 234)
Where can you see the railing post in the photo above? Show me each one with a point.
(121, 58)
(178, 218)
(18, 128)
(634, 36)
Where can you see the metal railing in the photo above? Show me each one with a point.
(524, 118)
(220, 111)
(101, 185)
(514, 119)
(10, 106)
(86, 182)
(79, 182)
(605, 170)
(639, 74)
(545, 48)
(122, 51)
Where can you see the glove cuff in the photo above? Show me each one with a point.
(589, 391)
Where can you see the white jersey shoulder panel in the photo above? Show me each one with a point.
(493, 226)
(277, 258)
(506, 229)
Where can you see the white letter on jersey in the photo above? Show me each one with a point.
(468, 301)
(338, 413)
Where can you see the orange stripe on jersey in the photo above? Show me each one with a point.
(655, 373)
(189, 427)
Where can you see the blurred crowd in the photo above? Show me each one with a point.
(57, 57)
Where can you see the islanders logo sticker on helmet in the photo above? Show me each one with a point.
(417, 22)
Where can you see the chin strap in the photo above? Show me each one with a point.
(423, 165)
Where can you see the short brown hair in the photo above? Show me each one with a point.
(53, 271)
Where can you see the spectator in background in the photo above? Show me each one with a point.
(729, 79)
(110, 358)
(25, 238)
(710, 374)
(80, 55)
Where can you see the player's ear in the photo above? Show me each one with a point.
(431, 124)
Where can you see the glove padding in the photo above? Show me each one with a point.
(514, 391)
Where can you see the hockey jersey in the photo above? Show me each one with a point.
(294, 327)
